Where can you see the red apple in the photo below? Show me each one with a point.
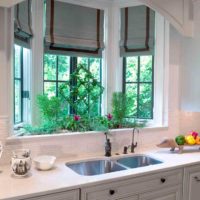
(194, 134)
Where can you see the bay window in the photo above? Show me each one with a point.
(137, 50)
(68, 44)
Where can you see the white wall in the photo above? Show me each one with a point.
(190, 97)
(5, 74)
(190, 77)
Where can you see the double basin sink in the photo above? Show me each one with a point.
(103, 166)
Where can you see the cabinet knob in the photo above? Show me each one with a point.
(162, 180)
(197, 178)
(112, 192)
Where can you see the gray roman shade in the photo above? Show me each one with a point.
(73, 29)
(22, 23)
(137, 31)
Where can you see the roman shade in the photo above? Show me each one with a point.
(73, 29)
(137, 31)
(22, 23)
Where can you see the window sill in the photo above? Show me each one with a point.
(33, 138)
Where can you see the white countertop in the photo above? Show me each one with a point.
(62, 178)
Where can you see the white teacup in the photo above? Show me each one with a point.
(21, 162)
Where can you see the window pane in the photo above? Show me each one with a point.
(50, 89)
(66, 91)
(18, 106)
(49, 67)
(95, 108)
(131, 69)
(145, 101)
(146, 69)
(83, 61)
(17, 61)
(95, 68)
(65, 108)
(63, 68)
(131, 91)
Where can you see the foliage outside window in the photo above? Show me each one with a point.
(81, 93)
(57, 70)
(18, 84)
(21, 85)
(138, 85)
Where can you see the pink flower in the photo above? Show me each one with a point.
(109, 116)
(77, 117)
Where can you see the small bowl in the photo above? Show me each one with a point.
(44, 162)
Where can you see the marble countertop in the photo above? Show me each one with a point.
(62, 178)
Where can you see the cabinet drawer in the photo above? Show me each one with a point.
(133, 186)
(130, 198)
(70, 195)
(168, 193)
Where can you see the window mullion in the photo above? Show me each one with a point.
(88, 62)
(21, 81)
(124, 75)
(152, 92)
(73, 66)
(100, 107)
(138, 87)
(57, 57)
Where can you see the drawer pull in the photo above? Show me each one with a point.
(197, 178)
(162, 180)
(112, 192)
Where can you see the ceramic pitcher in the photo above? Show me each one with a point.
(21, 162)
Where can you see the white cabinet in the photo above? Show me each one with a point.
(130, 198)
(170, 193)
(191, 186)
(160, 186)
(69, 195)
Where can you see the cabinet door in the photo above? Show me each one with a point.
(130, 198)
(172, 193)
(191, 189)
(70, 195)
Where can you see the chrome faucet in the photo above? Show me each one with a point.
(108, 146)
(133, 143)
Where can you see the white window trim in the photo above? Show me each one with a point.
(112, 65)
(161, 65)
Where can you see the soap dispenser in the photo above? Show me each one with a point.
(108, 147)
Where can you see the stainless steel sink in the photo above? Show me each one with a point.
(138, 161)
(103, 166)
(95, 167)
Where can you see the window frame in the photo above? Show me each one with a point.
(138, 82)
(21, 86)
(73, 65)
(25, 88)
(56, 81)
